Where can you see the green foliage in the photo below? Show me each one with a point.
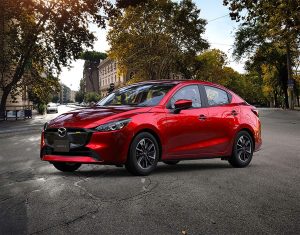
(42, 88)
(79, 97)
(92, 97)
(44, 35)
(94, 56)
(211, 65)
(279, 19)
(270, 36)
(55, 99)
(155, 38)
(41, 108)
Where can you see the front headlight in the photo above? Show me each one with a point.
(113, 126)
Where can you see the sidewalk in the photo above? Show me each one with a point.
(34, 124)
(22, 125)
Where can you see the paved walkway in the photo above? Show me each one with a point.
(33, 124)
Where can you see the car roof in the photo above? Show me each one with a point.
(183, 81)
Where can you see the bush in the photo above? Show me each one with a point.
(41, 108)
(92, 97)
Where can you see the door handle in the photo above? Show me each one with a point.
(202, 117)
(234, 113)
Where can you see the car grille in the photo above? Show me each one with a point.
(76, 137)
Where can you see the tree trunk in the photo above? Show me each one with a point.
(296, 90)
(283, 78)
(290, 88)
(275, 99)
(3, 102)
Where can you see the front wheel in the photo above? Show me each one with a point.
(242, 150)
(66, 166)
(143, 154)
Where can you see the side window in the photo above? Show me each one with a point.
(216, 96)
(187, 93)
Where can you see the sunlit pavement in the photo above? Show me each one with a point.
(194, 197)
(11, 126)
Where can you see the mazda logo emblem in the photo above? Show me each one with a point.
(62, 132)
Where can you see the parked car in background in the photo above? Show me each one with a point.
(152, 121)
(52, 108)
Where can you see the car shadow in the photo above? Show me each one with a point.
(187, 167)
(111, 171)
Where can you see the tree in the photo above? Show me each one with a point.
(268, 21)
(94, 56)
(92, 97)
(269, 61)
(79, 97)
(44, 35)
(211, 65)
(41, 89)
(153, 38)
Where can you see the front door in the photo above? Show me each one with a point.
(186, 131)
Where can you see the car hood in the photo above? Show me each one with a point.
(92, 117)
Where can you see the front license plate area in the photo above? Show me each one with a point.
(61, 146)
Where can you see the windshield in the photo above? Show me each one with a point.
(137, 95)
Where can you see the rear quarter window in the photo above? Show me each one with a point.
(216, 96)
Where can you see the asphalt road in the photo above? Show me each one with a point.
(31, 126)
(194, 197)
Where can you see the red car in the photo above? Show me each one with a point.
(152, 121)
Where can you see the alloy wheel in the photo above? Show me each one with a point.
(145, 153)
(244, 148)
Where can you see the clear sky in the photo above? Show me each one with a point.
(219, 33)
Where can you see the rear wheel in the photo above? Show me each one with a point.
(143, 154)
(242, 150)
(66, 166)
(171, 162)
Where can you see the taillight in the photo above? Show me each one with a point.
(255, 111)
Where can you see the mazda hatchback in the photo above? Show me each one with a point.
(142, 124)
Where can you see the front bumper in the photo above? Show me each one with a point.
(78, 159)
(88, 146)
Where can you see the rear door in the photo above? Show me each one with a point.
(222, 120)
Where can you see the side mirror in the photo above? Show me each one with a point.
(182, 104)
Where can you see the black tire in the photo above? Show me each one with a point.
(171, 162)
(143, 154)
(242, 151)
(66, 167)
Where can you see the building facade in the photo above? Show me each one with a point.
(108, 74)
(65, 94)
(19, 99)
